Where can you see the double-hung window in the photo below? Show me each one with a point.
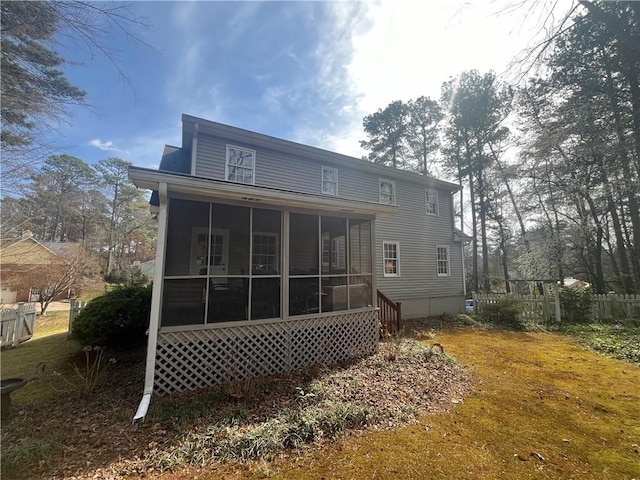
(240, 165)
(431, 201)
(329, 181)
(391, 259)
(442, 258)
(387, 191)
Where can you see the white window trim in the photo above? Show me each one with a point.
(437, 202)
(448, 274)
(384, 271)
(335, 170)
(393, 191)
(226, 164)
(335, 253)
(326, 249)
(332, 249)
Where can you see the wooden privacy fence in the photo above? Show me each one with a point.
(541, 308)
(17, 324)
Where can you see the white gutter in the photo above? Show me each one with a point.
(154, 320)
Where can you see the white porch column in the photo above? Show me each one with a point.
(156, 302)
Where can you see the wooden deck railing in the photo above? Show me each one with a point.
(390, 315)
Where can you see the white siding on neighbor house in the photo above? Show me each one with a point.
(417, 232)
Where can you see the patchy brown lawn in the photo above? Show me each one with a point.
(541, 407)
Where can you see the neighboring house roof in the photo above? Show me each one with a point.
(575, 283)
(148, 268)
(29, 251)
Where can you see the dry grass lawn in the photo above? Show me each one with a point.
(49, 349)
(545, 408)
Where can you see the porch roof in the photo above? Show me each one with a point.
(192, 186)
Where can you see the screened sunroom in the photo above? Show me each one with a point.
(224, 263)
(253, 281)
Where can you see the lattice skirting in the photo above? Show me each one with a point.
(188, 360)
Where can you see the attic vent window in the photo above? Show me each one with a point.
(240, 165)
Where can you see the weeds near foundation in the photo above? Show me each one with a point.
(291, 429)
(88, 375)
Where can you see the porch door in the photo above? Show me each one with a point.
(210, 250)
(219, 253)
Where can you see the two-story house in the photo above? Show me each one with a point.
(270, 255)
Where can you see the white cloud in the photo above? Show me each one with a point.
(106, 146)
(375, 53)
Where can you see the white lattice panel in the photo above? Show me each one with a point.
(187, 360)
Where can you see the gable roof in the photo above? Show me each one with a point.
(26, 255)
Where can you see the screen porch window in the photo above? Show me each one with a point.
(265, 252)
(240, 165)
(391, 259)
(329, 181)
(387, 190)
(431, 200)
(442, 255)
(223, 263)
(330, 266)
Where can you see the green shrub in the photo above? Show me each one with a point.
(576, 304)
(505, 312)
(118, 319)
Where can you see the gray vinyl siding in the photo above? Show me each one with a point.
(417, 232)
(287, 172)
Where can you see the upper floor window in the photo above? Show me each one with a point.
(431, 200)
(391, 259)
(240, 165)
(329, 181)
(442, 254)
(387, 190)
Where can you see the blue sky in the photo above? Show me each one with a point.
(303, 71)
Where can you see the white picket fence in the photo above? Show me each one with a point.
(539, 308)
(76, 306)
(615, 306)
(17, 324)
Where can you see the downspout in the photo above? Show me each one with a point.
(156, 297)
(464, 271)
(194, 148)
(453, 226)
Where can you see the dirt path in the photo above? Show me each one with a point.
(545, 408)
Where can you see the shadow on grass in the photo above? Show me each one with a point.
(35, 360)
(58, 425)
